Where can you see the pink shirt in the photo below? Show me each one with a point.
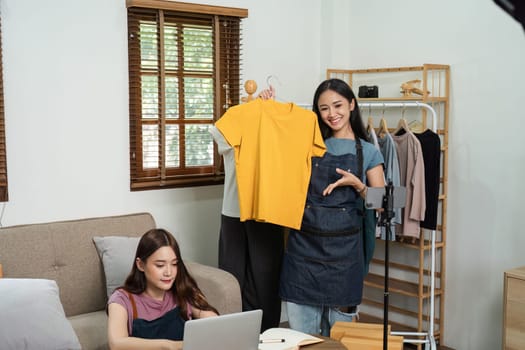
(147, 308)
(412, 176)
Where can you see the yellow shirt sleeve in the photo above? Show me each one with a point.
(230, 125)
(319, 148)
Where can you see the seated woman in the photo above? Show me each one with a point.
(157, 298)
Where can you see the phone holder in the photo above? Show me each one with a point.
(388, 197)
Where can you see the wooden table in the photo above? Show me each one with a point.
(328, 344)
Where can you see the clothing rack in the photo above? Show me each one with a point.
(429, 341)
(402, 104)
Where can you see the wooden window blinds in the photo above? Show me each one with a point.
(184, 72)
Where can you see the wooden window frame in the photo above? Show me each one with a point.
(226, 31)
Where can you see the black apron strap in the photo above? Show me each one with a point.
(359, 151)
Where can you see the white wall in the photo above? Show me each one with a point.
(65, 86)
(66, 110)
(486, 50)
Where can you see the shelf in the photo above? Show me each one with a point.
(428, 100)
(392, 309)
(433, 99)
(390, 99)
(404, 267)
(393, 69)
(427, 245)
(398, 286)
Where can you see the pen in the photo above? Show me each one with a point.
(263, 341)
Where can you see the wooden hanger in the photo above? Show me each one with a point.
(416, 126)
(370, 124)
(383, 128)
(402, 125)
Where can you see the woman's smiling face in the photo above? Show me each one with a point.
(335, 112)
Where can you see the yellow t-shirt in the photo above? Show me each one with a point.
(273, 144)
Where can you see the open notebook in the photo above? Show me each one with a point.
(237, 331)
(285, 339)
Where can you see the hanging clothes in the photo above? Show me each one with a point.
(371, 214)
(431, 147)
(372, 136)
(273, 144)
(412, 176)
(387, 147)
(230, 200)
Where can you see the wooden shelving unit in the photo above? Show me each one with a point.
(514, 309)
(409, 263)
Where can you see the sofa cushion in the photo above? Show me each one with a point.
(116, 253)
(32, 316)
(91, 330)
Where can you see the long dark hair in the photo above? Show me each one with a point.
(184, 288)
(342, 88)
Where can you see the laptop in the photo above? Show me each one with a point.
(237, 331)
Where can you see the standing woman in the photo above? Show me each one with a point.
(157, 298)
(323, 267)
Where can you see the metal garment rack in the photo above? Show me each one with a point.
(429, 341)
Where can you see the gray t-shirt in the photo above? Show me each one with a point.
(230, 200)
(371, 155)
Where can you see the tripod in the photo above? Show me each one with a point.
(383, 198)
(388, 199)
(386, 220)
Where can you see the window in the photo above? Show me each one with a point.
(184, 72)
(3, 161)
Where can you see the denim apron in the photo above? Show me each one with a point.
(170, 326)
(323, 262)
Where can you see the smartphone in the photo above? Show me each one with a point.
(374, 197)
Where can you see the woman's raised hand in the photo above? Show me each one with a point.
(267, 94)
(347, 179)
